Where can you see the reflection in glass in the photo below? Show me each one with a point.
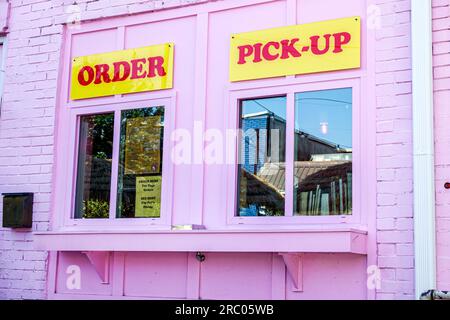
(262, 157)
(94, 166)
(140, 163)
(323, 153)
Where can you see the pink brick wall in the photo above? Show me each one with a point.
(441, 58)
(27, 118)
(27, 122)
(394, 150)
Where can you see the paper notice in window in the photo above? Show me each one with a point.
(143, 145)
(148, 197)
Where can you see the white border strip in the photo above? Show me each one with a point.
(423, 144)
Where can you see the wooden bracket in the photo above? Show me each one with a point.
(100, 260)
(294, 266)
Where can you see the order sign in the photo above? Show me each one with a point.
(119, 72)
(301, 49)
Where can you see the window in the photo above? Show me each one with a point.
(94, 166)
(137, 167)
(262, 157)
(323, 153)
(316, 178)
(140, 165)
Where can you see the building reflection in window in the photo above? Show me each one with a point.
(262, 157)
(323, 153)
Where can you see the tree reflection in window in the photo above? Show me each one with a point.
(94, 166)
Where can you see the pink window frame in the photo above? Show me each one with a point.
(62, 170)
(289, 90)
(70, 155)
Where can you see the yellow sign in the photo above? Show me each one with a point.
(135, 70)
(143, 145)
(301, 49)
(148, 197)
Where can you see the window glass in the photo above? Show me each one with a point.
(323, 153)
(140, 163)
(94, 166)
(262, 152)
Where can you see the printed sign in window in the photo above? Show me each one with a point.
(140, 163)
(148, 197)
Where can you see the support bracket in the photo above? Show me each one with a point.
(294, 266)
(100, 260)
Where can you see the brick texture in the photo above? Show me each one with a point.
(27, 122)
(395, 235)
(441, 60)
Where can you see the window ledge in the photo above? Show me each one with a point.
(342, 240)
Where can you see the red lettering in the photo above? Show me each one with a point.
(122, 71)
(136, 69)
(101, 71)
(288, 48)
(257, 47)
(117, 70)
(156, 65)
(266, 51)
(315, 44)
(244, 52)
(341, 39)
(90, 74)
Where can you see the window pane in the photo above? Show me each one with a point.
(323, 153)
(262, 157)
(140, 165)
(94, 166)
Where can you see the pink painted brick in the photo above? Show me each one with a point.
(405, 249)
(405, 274)
(386, 296)
(394, 236)
(405, 224)
(386, 224)
(441, 60)
(388, 274)
(40, 40)
(396, 262)
(386, 249)
(27, 120)
(386, 199)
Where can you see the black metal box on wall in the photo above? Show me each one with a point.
(17, 210)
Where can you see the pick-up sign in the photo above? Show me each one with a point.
(300, 49)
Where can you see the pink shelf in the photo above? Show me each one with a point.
(283, 241)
